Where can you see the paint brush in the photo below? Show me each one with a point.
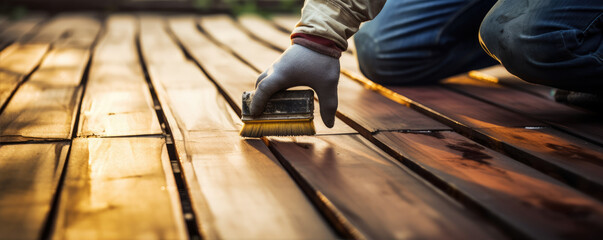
(287, 113)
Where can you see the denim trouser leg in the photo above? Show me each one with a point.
(420, 42)
(552, 42)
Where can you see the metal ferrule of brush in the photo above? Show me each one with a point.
(287, 113)
(284, 105)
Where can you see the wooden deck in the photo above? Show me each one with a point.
(125, 126)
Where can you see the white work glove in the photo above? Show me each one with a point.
(300, 66)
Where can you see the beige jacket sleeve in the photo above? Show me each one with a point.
(336, 20)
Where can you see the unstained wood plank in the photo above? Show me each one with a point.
(117, 101)
(119, 188)
(44, 107)
(29, 177)
(370, 191)
(24, 55)
(535, 205)
(235, 76)
(244, 192)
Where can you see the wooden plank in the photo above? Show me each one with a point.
(44, 107)
(223, 29)
(119, 188)
(490, 124)
(29, 176)
(571, 159)
(117, 101)
(23, 56)
(235, 77)
(15, 29)
(369, 190)
(244, 185)
(586, 124)
(465, 110)
(264, 30)
(357, 106)
(526, 200)
(239, 181)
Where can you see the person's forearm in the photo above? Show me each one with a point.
(336, 20)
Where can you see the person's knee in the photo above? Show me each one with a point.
(391, 68)
(530, 50)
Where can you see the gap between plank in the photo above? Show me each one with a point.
(335, 220)
(190, 219)
(26, 78)
(549, 125)
(50, 221)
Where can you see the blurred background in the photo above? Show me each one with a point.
(18, 8)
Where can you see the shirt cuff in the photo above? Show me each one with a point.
(317, 44)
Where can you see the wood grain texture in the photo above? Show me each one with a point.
(463, 109)
(532, 203)
(224, 30)
(248, 193)
(238, 188)
(44, 107)
(586, 124)
(232, 75)
(507, 132)
(119, 188)
(382, 199)
(29, 176)
(571, 159)
(117, 101)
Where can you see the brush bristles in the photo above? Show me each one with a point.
(278, 128)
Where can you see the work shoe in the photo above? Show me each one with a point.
(580, 99)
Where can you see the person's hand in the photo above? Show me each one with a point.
(300, 66)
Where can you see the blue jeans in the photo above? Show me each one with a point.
(422, 41)
(551, 42)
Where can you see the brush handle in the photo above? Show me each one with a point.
(289, 104)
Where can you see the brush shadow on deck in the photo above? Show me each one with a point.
(126, 126)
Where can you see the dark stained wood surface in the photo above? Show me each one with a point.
(240, 182)
(367, 189)
(44, 107)
(117, 101)
(235, 77)
(29, 176)
(534, 204)
(586, 124)
(463, 109)
(119, 188)
(491, 124)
